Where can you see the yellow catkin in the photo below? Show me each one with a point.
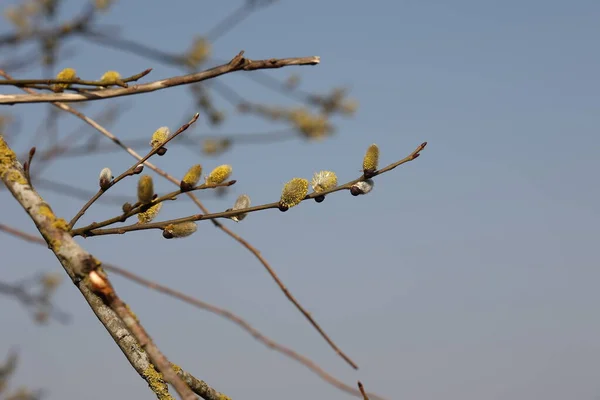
(219, 174)
(324, 180)
(371, 160)
(181, 230)
(199, 51)
(149, 214)
(192, 177)
(145, 190)
(294, 192)
(65, 74)
(159, 136)
(110, 77)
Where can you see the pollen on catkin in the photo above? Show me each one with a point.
(324, 180)
(145, 190)
(242, 202)
(65, 74)
(294, 192)
(105, 178)
(176, 231)
(159, 136)
(110, 77)
(219, 174)
(191, 178)
(148, 215)
(371, 160)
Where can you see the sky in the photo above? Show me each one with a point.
(470, 273)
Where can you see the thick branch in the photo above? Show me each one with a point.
(238, 63)
(79, 264)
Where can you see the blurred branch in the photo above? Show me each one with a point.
(195, 302)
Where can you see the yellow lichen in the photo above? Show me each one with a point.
(157, 383)
(14, 176)
(61, 224)
(176, 368)
(7, 160)
(46, 211)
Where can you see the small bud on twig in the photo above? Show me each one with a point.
(106, 178)
(242, 202)
(126, 208)
(362, 187)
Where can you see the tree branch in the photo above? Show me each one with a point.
(195, 302)
(82, 267)
(238, 63)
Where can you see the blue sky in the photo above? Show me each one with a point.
(469, 273)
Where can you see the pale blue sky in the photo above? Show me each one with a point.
(471, 273)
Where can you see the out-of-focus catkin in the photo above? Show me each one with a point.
(145, 190)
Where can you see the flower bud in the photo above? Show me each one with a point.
(362, 187)
(65, 74)
(145, 189)
(110, 78)
(149, 214)
(219, 174)
(199, 51)
(242, 202)
(105, 179)
(159, 136)
(176, 231)
(191, 178)
(371, 159)
(324, 180)
(293, 193)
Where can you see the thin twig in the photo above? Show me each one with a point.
(138, 207)
(86, 231)
(196, 201)
(77, 81)
(131, 170)
(362, 391)
(238, 63)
